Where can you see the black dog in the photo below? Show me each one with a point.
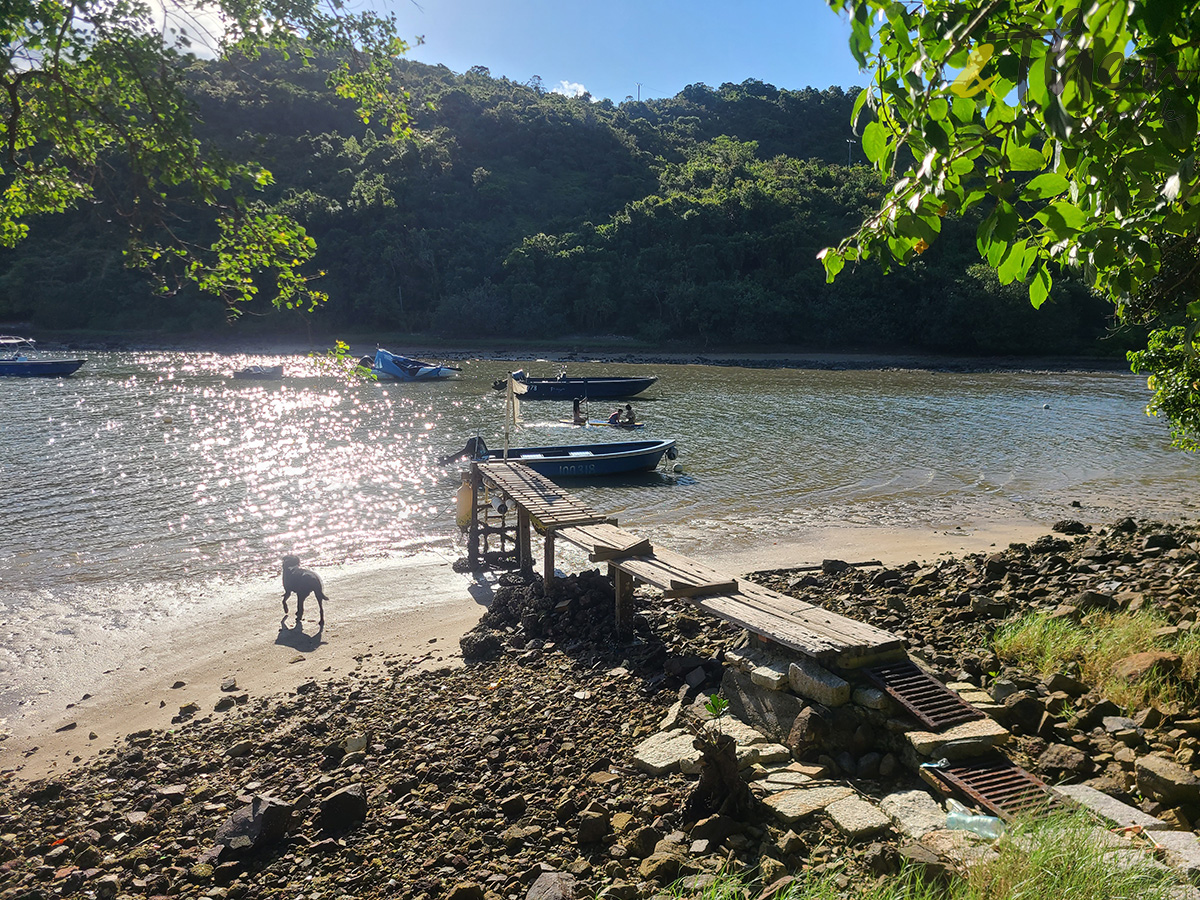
(475, 449)
(303, 582)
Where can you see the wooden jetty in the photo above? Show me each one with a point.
(555, 514)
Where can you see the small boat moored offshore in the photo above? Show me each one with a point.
(20, 358)
(402, 368)
(577, 460)
(565, 387)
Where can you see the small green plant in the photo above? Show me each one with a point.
(716, 706)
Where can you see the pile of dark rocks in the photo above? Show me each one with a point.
(511, 778)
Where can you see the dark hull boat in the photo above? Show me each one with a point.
(577, 388)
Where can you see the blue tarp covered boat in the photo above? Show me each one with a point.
(566, 387)
(402, 368)
(587, 460)
(20, 358)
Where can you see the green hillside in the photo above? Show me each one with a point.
(517, 212)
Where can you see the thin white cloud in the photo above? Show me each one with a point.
(570, 89)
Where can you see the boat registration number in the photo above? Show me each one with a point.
(578, 469)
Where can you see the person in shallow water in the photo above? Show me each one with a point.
(580, 415)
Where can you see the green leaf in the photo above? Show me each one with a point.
(1063, 218)
(833, 263)
(874, 141)
(1025, 159)
(1039, 288)
(1011, 267)
(1179, 121)
(1044, 186)
(1058, 121)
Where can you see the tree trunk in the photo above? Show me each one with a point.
(720, 789)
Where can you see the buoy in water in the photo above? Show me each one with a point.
(677, 468)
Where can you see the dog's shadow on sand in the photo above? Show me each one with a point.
(297, 639)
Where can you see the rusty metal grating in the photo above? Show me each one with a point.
(923, 695)
(997, 784)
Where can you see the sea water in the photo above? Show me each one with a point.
(151, 487)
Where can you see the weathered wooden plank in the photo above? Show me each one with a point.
(606, 542)
(689, 589)
(789, 634)
(689, 566)
(847, 631)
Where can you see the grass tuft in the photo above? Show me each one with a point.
(1061, 857)
(1047, 645)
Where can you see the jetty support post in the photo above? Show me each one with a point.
(473, 555)
(623, 593)
(524, 552)
(548, 558)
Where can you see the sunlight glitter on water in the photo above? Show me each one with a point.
(162, 466)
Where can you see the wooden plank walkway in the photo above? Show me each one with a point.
(548, 506)
(803, 627)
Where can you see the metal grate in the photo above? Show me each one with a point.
(923, 695)
(997, 784)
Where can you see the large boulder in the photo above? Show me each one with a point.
(1167, 781)
(344, 809)
(249, 829)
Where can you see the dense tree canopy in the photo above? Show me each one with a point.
(517, 212)
(98, 106)
(1070, 128)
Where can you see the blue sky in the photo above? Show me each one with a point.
(608, 47)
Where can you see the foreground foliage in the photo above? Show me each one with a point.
(97, 106)
(1070, 127)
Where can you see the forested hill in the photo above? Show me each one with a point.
(520, 212)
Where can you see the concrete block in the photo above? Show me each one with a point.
(915, 813)
(794, 805)
(1122, 815)
(871, 698)
(666, 751)
(808, 679)
(738, 730)
(782, 781)
(771, 677)
(1182, 852)
(857, 818)
(964, 741)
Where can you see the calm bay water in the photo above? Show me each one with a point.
(151, 480)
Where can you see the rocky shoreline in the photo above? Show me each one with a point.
(579, 350)
(515, 776)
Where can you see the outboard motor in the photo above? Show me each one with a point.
(475, 448)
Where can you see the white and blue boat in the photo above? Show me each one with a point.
(589, 460)
(20, 358)
(402, 368)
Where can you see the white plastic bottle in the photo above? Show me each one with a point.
(960, 818)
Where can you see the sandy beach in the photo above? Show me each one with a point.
(251, 653)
